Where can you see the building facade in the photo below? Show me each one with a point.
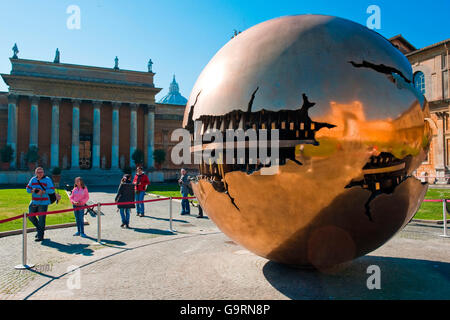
(430, 69)
(83, 117)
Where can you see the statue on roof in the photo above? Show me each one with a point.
(116, 63)
(56, 56)
(15, 51)
(150, 64)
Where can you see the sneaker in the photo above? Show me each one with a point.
(199, 216)
(142, 214)
(122, 225)
(76, 234)
(83, 235)
(127, 226)
(38, 239)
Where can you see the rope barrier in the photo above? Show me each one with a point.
(24, 264)
(125, 203)
(88, 207)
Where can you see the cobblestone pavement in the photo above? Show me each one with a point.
(200, 262)
(60, 244)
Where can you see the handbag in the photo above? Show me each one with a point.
(52, 196)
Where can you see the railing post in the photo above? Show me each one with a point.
(170, 215)
(444, 214)
(99, 224)
(24, 264)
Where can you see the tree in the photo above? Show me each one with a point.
(32, 155)
(7, 153)
(159, 155)
(138, 157)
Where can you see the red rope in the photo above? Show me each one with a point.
(11, 219)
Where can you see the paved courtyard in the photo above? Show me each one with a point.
(199, 262)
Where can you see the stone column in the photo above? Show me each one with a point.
(12, 127)
(440, 149)
(34, 121)
(96, 136)
(115, 136)
(133, 131)
(75, 134)
(150, 135)
(54, 153)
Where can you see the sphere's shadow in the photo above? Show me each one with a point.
(401, 278)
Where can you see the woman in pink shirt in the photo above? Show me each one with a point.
(79, 197)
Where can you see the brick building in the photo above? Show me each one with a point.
(431, 68)
(83, 117)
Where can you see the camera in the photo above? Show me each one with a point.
(36, 190)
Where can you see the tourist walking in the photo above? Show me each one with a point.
(40, 187)
(184, 189)
(125, 194)
(79, 198)
(140, 182)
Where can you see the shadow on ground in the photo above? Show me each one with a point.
(153, 231)
(109, 242)
(165, 219)
(400, 279)
(69, 248)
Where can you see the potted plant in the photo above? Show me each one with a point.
(32, 157)
(6, 154)
(138, 157)
(56, 176)
(159, 155)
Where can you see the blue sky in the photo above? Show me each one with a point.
(181, 36)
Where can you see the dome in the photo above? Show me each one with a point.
(174, 96)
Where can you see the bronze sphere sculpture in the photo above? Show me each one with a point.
(352, 130)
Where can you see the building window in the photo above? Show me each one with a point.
(444, 61)
(419, 81)
(445, 84)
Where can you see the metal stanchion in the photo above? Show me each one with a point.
(444, 213)
(170, 216)
(24, 264)
(99, 224)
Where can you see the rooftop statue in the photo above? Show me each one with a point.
(56, 56)
(116, 63)
(15, 51)
(150, 64)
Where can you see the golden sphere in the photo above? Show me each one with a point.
(352, 130)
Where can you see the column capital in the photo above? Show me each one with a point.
(97, 103)
(151, 108)
(133, 106)
(56, 101)
(116, 104)
(12, 98)
(34, 100)
(76, 103)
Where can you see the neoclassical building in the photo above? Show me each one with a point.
(431, 68)
(84, 117)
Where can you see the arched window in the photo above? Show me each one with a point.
(419, 81)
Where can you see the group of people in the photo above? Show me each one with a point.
(43, 194)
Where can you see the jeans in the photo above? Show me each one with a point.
(140, 206)
(39, 221)
(125, 214)
(185, 208)
(79, 218)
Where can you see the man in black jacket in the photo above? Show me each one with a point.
(125, 194)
